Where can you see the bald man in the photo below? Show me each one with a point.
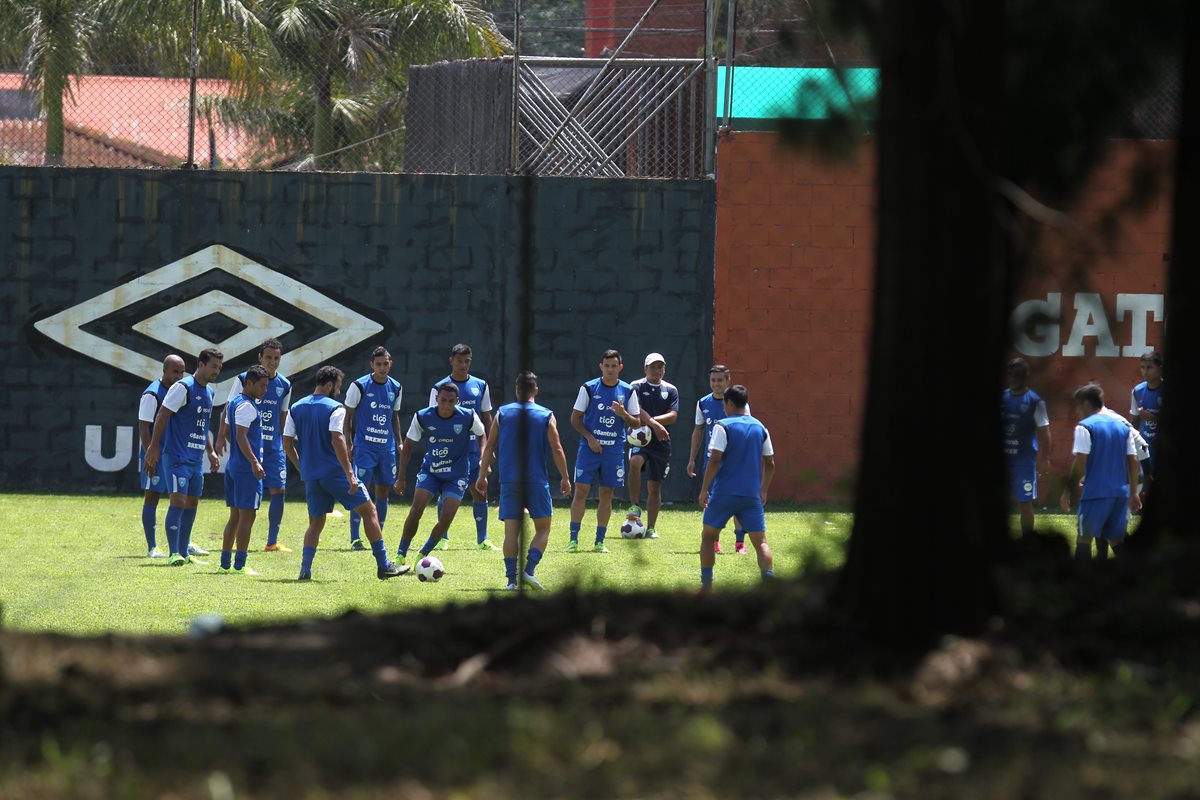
(154, 485)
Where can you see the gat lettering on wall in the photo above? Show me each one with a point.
(1039, 325)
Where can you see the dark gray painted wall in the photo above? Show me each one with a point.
(431, 259)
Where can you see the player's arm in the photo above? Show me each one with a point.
(1041, 419)
(353, 397)
(715, 454)
(223, 431)
(289, 443)
(174, 400)
(415, 432)
(630, 414)
(1135, 500)
(245, 417)
(768, 467)
(147, 410)
(397, 423)
(338, 439)
(1078, 466)
(581, 404)
(486, 455)
(560, 458)
(694, 450)
(486, 417)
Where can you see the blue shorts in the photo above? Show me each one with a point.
(1023, 480)
(610, 469)
(375, 466)
(658, 461)
(472, 467)
(1104, 518)
(275, 466)
(186, 478)
(243, 491)
(323, 492)
(159, 481)
(540, 505)
(444, 485)
(748, 510)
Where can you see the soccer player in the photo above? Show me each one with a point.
(272, 409)
(1026, 439)
(658, 402)
(741, 463)
(1145, 403)
(154, 485)
(1106, 457)
(316, 422)
(473, 395)
(710, 409)
(244, 471)
(603, 408)
(541, 435)
(373, 429)
(181, 431)
(448, 429)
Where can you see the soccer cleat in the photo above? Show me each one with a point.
(277, 548)
(634, 511)
(224, 570)
(154, 552)
(703, 590)
(244, 571)
(512, 587)
(401, 560)
(532, 582)
(176, 560)
(486, 544)
(717, 547)
(196, 550)
(443, 543)
(740, 548)
(599, 548)
(305, 575)
(392, 570)
(573, 546)
(650, 534)
(357, 544)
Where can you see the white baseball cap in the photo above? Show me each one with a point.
(650, 359)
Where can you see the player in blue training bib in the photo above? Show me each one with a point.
(314, 441)
(709, 409)
(741, 463)
(524, 481)
(373, 425)
(659, 405)
(473, 395)
(1026, 439)
(154, 484)
(1106, 458)
(1145, 404)
(604, 407)
(448, 430)
(272, 410)
(244, 470)
(181, 434)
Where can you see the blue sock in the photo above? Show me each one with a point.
(274, 518)
(446, 536)
(379, 550)
(427, 548)
(149, 513)
(532, 560)
(239, 559)
(1083, 549)
(706, 577)
(510, 569)
(575, 531)
(480, 510)
(306, 559)
(600, 533)
(740, 534)
(355, 520)
(402, 550)
(172, 526)
(186, 520)
(381, 507)
(226, 559)
(768, 574)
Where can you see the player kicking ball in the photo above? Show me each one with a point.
(316, 422)
(448, 430)
(244, 472)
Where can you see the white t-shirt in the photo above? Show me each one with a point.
(415, 431)
(354, 397)
(148, 408)
(237, 387)
(720, 440)
(1141, 446)
(485, 402)
(1083, 442)
(700, 420)
(583, 399)
(176, 398)
(336, 422)
(245, 415)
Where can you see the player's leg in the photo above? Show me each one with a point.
(275, 481)
(412, 522)
(658, 465)
(708, 555)
(382, 491)
(739, 537)
(370, 524)
(245, 524)
(578, 506)
(766, 561)
(1115, 527)
(1025, 510)
(1092, 514)
(512, 538)
(653, 504)
(186, 522)
(320, 503)
(364, 466)
(451, 494)
(479, 506)
(541, 507)
(637, 463)
(231, 525)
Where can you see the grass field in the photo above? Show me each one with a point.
(77, 565)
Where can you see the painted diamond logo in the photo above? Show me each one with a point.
(340, 328)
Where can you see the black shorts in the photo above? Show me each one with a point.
(658, 461)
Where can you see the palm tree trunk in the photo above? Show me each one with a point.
(53, 88)
(930, 507)
(323, 138)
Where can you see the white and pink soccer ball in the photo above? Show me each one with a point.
(430, 569)
(639, 437)
(632, 528)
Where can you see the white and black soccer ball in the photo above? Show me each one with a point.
(639, 437)
(632, 528)
(430, 569)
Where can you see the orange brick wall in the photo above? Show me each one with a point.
(794, 261)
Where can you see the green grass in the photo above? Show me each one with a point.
(77, 565)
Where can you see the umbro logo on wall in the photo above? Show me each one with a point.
(190, 304)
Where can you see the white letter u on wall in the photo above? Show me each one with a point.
(94, 454)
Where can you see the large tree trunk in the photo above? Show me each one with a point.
(1168, 517)
(53, 88)
(323, 138)
(930, 509)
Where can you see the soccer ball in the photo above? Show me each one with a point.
(430, 569)
(639, 437)
(632, 528)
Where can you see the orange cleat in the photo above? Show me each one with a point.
(277, 548)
